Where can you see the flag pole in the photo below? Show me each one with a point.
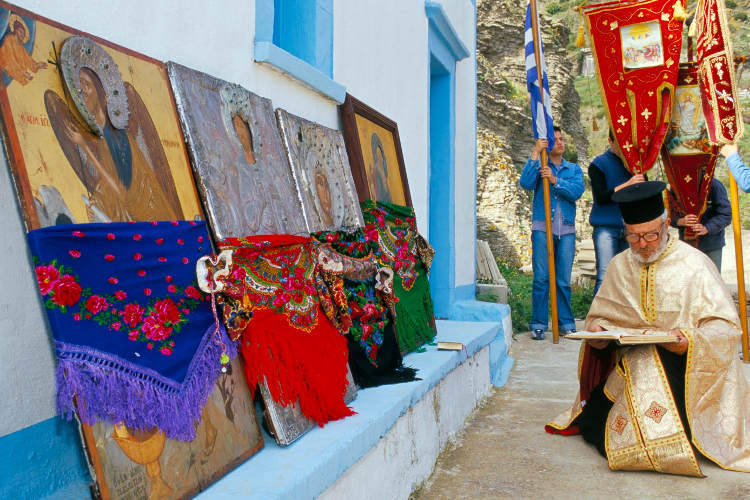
(545, 184)
(734, 198)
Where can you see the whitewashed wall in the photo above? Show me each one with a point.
(380, 55)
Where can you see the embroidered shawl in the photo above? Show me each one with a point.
(270, 301)
(392, 231)
(136, 341)
(347, 264)
(679, 290)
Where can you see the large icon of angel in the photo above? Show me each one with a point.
(110, 140)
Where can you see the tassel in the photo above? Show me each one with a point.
(580, 39)
(679, 14)
(693, 29)
(594, 125)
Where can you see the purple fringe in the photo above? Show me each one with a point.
(111, 389)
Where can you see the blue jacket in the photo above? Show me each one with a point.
(568, 188)
(716, 218)
(606, 212)
(740, 172)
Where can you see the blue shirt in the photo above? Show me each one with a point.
(740, 171)
(563, 194)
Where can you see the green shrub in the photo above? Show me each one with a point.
(740, 16)
(519, 297)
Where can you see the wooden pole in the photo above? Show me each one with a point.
(740, 265)
(545, 185)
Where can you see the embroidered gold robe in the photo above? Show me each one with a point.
(681, 290)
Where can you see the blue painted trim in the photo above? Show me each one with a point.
(267, 52)
(313, 463)
(442, 211)
(474, 310)
(317, 71)
(42, 460)
(439, 20)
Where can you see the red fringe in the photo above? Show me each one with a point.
(298, 365)
(569, 431)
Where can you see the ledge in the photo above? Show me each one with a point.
(268, 53)
(313, 463)
(439, 20)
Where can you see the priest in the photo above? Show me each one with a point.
(657, 407)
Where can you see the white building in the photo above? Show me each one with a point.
(413, 61)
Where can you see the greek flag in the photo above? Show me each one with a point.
(541, 115)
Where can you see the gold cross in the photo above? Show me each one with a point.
(622, 121)
(627, 146)
(646, 113)
(688, 178)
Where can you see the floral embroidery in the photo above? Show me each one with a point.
(656, 412)
(395, 244)
(155, 323)
(369, 317)
(277, 278)
(619, 424)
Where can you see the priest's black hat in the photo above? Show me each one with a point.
(640, 202)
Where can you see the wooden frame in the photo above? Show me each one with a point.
(359, 158)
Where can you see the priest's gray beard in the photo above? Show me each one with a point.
(648, 259)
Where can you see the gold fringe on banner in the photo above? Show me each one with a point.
(679, 14)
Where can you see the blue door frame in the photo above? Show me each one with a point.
(445, 49)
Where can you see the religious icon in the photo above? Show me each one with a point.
(374, 149)
(238, 158)
(15, 48)
(321, 173)
(641, 45)
(124, 170)
(91, 129)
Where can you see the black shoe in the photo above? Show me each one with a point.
(567, 332)
(537, 334)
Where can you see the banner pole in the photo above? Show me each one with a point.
(740, 265)
(545, 185)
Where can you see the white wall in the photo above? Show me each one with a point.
(380, 55)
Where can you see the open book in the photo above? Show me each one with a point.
(624, 338)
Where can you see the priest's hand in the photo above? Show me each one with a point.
(598, 344)
(680, 347)
(728, 149)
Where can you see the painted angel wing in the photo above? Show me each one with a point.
(143, 134)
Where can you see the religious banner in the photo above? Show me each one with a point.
(688, 157)
(238, 159)
(321, 171)
(636, 47)
(91, 129)
(718, 84)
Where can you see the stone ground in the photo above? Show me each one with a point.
(504, 452)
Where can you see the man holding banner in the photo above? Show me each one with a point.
(554, 239)
(566, 181)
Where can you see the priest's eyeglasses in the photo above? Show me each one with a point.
(647, 237)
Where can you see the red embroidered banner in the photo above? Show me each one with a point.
(717, 79)
(688, 157)
(636, 47)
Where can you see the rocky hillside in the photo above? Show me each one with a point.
(505, 138)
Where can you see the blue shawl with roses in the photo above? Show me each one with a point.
(136, 340)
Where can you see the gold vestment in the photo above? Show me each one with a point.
(682, 290)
